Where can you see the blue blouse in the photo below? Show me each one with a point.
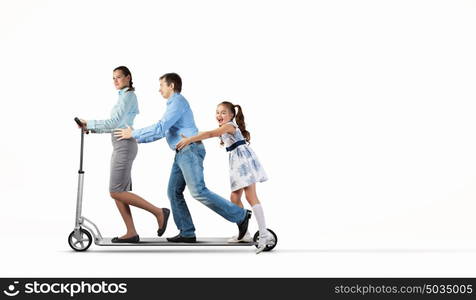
(122, 114)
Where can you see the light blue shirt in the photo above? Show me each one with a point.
(122, 114)
(177, 120)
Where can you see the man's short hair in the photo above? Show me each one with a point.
(173, 78)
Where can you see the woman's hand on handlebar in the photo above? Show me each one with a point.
(84, 125)
(83, 122)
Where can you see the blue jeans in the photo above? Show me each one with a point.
(187, 170)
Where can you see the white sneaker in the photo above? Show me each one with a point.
(264, 241)
(246, 239)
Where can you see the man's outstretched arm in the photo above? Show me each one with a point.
(156, 131)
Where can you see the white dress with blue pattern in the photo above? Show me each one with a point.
(245, 168)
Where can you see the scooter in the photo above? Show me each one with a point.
(81, 238)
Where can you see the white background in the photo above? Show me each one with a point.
(362, 113)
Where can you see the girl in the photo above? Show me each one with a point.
(245, 169)
(123, 155)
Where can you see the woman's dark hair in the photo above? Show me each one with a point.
(239, 117)
(173, 78)
(125, 71)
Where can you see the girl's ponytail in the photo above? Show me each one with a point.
(240, 121)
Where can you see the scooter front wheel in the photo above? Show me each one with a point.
(269, 247)
(81, 240)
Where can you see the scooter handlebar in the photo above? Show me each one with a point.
(78, 121)
(80, 124)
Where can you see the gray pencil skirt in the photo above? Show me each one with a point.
(123, 155)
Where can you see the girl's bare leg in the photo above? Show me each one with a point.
(251, 196)
(235, 197)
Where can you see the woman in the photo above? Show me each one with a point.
(123, 155)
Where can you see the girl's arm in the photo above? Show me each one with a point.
(227, 128)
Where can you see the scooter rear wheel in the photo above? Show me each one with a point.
(82, 242)
(268, 247)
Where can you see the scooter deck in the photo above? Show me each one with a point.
(163, 242)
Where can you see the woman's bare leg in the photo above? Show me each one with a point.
(125, 211)
(128, 198)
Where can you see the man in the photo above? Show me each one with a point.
(187, 169)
